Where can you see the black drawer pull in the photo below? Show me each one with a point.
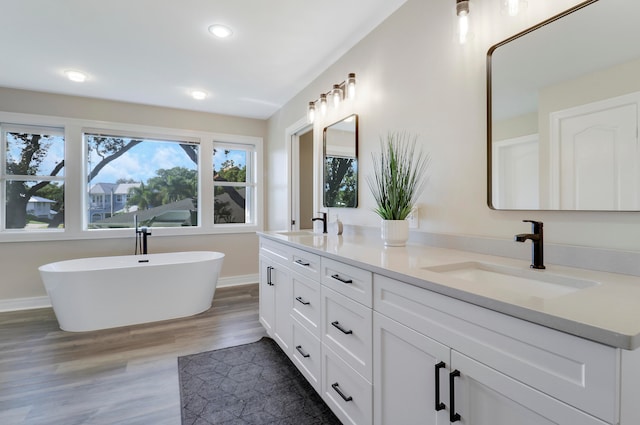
(305, 355)
(336, 324)
(439, 405)
(269, 282)
(337, 277)
(302, 263)
(300, 300)
(453, 416)
(337, 388)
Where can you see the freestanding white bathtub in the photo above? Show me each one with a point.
(106, 292)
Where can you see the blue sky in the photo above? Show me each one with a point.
(140, 163)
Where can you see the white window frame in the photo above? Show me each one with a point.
(76, 171)
(10, 127)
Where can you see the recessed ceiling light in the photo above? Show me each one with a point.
(198, 94)
(220, 31)
(77, 76)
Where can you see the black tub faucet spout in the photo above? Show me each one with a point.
(537, 243)
(141, 236)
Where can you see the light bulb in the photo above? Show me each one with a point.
(462, 11)
(336, 94)
(76, 76)
(220, 31)
(198, 94)
(323, 104)
(351, 86)
(311, 113)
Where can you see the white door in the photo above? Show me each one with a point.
(483, 396)
(596, 156)
(515, 175)
(404, 376)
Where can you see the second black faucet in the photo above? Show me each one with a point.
(324, 221)
(537, 246)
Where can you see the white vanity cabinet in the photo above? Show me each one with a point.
(275, 294)
(385, 352)
(497, 369)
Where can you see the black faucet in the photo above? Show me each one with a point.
(324, 221)
(141, 232)
(536, 236)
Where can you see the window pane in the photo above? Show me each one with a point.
(35, 153)
(156, 180)
(229, 204)
(230, 165)
(34, 205)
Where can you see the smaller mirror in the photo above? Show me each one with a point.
(340, 160)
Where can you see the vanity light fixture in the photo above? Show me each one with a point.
(323, 104)
(76, 76)
(220, 31)
(462, 12)
(311, 112)
(339, 92)
(336, 95)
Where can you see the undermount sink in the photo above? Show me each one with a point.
(535, 283)
(299, 233)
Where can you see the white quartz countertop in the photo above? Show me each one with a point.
(602, 307)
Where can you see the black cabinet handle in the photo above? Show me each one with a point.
(269, 282)
(453, 416)
(336, 387)
(300, 300)
(337, 277)
(305, 355)
(302, 263)
(439, 405)
(336, 324)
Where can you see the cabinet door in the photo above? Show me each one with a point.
(266, 299)
(405, 376)
(283, 332)
(483, 396)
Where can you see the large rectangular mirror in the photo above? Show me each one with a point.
(340, 159)
(563, 112)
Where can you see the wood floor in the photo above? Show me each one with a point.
(120, 376)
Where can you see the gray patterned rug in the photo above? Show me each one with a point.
(252, 384)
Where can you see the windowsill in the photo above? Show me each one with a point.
(62, 235)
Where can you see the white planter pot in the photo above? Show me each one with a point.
(395, 232)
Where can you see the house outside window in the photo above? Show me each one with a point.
(32, 178)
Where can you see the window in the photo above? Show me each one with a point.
(155, 180)
(234, 183)
(32, 178)
(66, 178)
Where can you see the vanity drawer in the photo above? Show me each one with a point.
(306, 303)
(348, 394)
(350, 281)
(305, 263)
(307, 354)
(347, 328)
(582, 373)
(278, 252)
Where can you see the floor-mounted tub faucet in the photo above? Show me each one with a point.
(536, 236)
(141, 236)
(324, 221)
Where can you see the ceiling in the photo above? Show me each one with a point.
(156, 52)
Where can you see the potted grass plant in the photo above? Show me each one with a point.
(397, 180)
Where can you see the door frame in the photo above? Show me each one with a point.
(292, 135)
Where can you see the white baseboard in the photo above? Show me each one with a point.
(237, 280)
(15, 304)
